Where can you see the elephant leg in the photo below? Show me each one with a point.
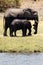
(5, 31)
(35, 27)
(11, 34)
(15, 33)
(29, 32)
(24, 32)
(11, 31)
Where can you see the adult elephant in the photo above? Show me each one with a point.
(12, 14)
(23, 25)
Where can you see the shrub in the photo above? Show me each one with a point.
(4, 4)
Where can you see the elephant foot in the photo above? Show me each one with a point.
(5, 34)
(15, 36)
(35, 32)
(11, 35)
(24, 35)
(29, 34)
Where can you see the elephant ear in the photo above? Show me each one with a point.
(27, 14)
(27, 9)
(35, 13)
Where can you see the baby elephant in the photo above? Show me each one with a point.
(18, 24)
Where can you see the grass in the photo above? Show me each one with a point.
(26, 44)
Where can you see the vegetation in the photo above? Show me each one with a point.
(21, 44)
(4, 4)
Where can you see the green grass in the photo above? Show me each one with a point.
(26, 44)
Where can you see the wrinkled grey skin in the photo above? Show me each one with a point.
(27, 14)
(18, 24)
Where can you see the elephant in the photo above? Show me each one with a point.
(18, 13)
(23, 25)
